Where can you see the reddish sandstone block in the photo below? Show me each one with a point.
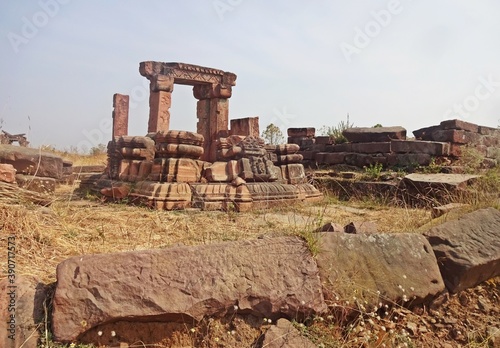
(455, 136)
(324, 140)
(301, 132)
(345, 147)
(371, 147)
(379, 134)
(408, 159)
(425, 133)
(294, 173)
(245, 126)
(362, 160)
(307, 155)
(334, 158)
(489, 131)
(287, 149)
(416, 146)
(458, 124)
(293, 158)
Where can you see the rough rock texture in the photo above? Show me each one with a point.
(284, 335)
(361, 227)
(468, 249)
(269, 277)
(32, 161)
(27, 314)
(7, 173)
(395, 267)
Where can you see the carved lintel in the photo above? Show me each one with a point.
(187, 74)
(161, 83)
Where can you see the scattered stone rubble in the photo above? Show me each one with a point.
(30, 169)
(275, 277)
(389, 146)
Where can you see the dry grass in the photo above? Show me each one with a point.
(48, 235)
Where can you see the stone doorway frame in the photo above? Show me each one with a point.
(212, 88)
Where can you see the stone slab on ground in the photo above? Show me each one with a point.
(284, 335)
(272, 277)
(468, 249)
(459, 180)
(379, 134)
(32, 161)
(379, 267)
(36, 183)
(29, 313)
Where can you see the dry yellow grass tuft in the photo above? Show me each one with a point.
(72, 226)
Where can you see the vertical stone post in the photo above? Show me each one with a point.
(160, 100)
(213, 116)
(203, 125)
(120, 115)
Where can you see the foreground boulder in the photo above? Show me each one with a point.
(269, 277)
(468, 249)
(32, 161)
(22, 313)
(377, 267)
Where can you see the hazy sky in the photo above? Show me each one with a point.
(409, 62)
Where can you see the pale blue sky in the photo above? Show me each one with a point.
(408, 62)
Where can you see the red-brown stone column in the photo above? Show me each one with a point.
(219, 123)
(213, 116)
(160, 100)
(120, 115)
(203, 125)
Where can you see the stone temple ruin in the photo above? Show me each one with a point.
(215, 168)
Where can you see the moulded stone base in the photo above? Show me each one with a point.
(162, 196)
(221, 196)
(309, 193)
(269, 194)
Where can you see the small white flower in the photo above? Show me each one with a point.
(404, 276)
(235, 307)
(99, 333)
(383, 328)
(113, 334)
(269, 321)
(412, 288)
(233, 332)
(193, 329)
(303, 303)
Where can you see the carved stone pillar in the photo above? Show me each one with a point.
(160, 100)
(120, 115)
(213, 115)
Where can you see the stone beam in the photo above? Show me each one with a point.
(187, 74)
